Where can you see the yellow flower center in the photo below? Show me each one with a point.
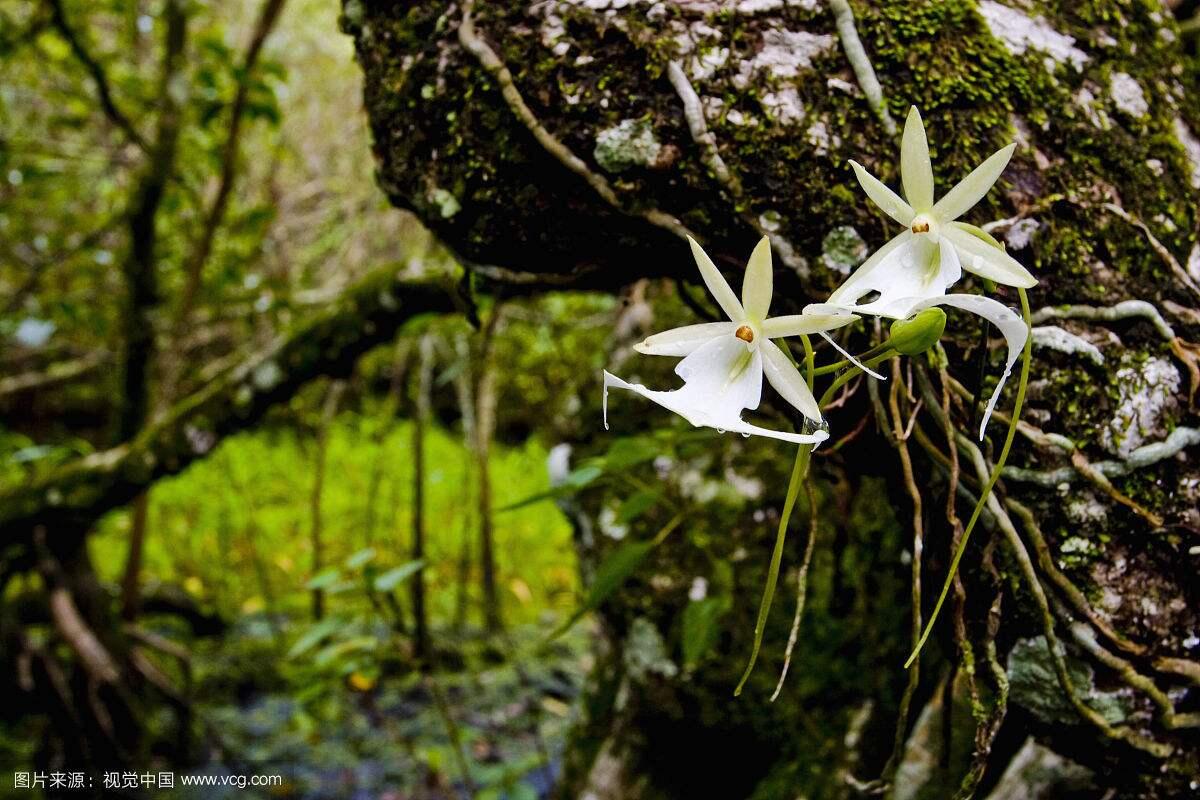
(745, 333)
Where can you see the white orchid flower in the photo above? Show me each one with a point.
(913, 271)
(724, 362)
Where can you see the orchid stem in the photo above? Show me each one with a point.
(987, 489)
(845, 377)
(809, 359)
(799, 468)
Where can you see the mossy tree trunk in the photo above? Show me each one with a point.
(574, 143)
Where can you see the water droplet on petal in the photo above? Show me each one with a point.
(745, 435)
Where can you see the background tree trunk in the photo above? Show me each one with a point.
(420, 422)
(485, 428)
(333, 396)
(569, 143)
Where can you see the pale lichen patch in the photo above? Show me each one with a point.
(783, 56)
(758, 6)
(1191, 146)
(1127, 95)
(1085, 509)
(784, 106)
(447, 204)
(843, 249)
(1021, 233)
(1019, 32)
(630, 143)
(267, 376)
(1086, 100)
(821, 139)
(1147, 392)
(611, 525)
(645, 652)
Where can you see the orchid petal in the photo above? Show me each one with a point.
(903, 271)
(1007, 321)
(682, 341)
(916, 172)
(806, 323)
(949, 265)
(784, 376)
(724, 375)
(979, 257)
(882, 196)
(757, 284)
(851, 358)
(971, 189)
(720, 379)
(715, 391)
(718, 287)
(856, 286)
(823, 309)
(749, 429)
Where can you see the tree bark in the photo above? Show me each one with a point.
(570, 143)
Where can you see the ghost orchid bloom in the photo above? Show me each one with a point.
(913, 271)
(724, 362)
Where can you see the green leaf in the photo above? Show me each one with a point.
(700, 627)
(636, 505)
(332, 652)
(398, 575)
(575, 480)
(630, 451)
(613, 571)
(522, 791)
(324, 579)
(581, 477)
(361, 558)
(314, 635)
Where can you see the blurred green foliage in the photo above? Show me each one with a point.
(248, 501)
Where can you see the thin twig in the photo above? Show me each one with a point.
(693, 112)
(801, 586)
(856, 54)
(194, 269)
(900, 442)
(1158, 247)
(492, 63)
(1068, 589)
(95, 69)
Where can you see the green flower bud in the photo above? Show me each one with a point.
(919, 333)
